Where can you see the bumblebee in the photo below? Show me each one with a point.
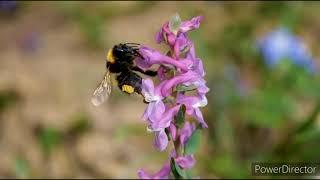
(120, 61)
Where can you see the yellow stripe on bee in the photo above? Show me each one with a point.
(127, 88)
(110, 57)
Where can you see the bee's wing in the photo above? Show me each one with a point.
(103, 91)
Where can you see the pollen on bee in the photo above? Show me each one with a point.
(128, 89)
(110, 57)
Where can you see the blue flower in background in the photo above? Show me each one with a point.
(282, 44)
(8, 6)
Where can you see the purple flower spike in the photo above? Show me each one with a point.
(162, 174)
(177, 69)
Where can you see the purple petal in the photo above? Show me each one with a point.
(185, 162)
(182, 78)
(165, 28)
(145, 115)
(192, 52)
(159, 36)
(141, 63)
(189, 110)
(200, 83)
(158, 89)
(155, 110)
(147, 86)
(161, 140)
(198, 115)
(192, 101)
(168, 35)
(161, 73)
(197, 62)
(162, 174)
(173, 131)
(171, 39)
(203, 88)
(187, 100)
(194, 23)
(144, 175)
(152, 56)
(165, 120)
(186, 132)
(181, 43)
(192, 106)
(198, 67)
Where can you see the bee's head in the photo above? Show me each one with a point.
(122, 52)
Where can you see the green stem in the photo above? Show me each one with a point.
(304, 125)
(310, 120)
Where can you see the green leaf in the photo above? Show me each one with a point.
(193, 142)
(81, 124)
(175, 23)
(177, 172)
(49, 138)
(7, 98)
(179, 119)
(183, 88)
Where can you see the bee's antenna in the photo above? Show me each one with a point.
(133, 43)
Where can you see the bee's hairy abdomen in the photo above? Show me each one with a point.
(128, 79)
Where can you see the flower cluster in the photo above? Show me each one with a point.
(182, 89)
(281, 44)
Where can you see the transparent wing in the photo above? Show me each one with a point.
(103, 91)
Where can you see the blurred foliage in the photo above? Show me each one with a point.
(124, 132)
(259, 103)
(22, 169)
(92, 19)
(81, 123)
(49, 138)
(7, 98)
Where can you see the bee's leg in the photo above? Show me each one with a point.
(132, 43)
(137, 53)
(148, 72)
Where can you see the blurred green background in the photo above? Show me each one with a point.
(52, 55)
